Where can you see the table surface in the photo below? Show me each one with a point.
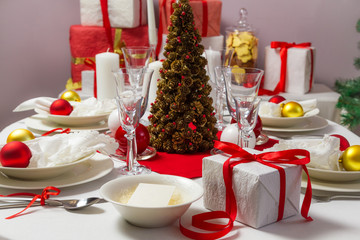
(332, 220)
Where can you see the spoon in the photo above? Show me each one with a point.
(71, 204)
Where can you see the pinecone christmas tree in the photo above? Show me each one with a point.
(182, 117)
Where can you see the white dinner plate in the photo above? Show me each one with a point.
(326, 186)
(334, 176)
(41, 173)
(282, 122)
(96, 167)
(42, 123)
(310, 124)
(77, 121)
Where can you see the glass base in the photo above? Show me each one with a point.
(220, 126)
(137, 170)
(262, 139)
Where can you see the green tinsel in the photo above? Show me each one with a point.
(349, 99)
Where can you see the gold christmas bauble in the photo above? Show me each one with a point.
(292, 109)
(70, 95)
(350, 158)
(20, 135)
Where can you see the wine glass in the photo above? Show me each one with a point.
(240, 82)
(247, 108)
(131, 98)
(216, 59)
(137, 59)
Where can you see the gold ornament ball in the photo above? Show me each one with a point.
(350, 158)
(292, 109)
(20, 135)
(71, 96)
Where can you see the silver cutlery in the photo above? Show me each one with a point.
(71, 204)
(335, 197)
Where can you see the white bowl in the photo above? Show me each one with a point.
(41, 173)
(283, 122)
(151, 216)
(334, 176)
(77, 120)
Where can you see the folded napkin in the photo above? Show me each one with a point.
(61, 149)
(324, 152)
(87, 107)
(269, 109)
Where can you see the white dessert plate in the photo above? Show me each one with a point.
(40, 173)
(77, 120)
(334, 176)
(42, 123)
(96, 167)
(282, 122)
(309, 124)
(326, 186)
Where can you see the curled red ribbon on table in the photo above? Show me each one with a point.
(270, 159)
(46, 193)
(67, 130)
(284, 46)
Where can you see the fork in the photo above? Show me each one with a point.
(334, 197)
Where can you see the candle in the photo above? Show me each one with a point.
(214, 59)
(151, 23)
(106, 63)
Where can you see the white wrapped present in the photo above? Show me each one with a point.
(299, 69)
(122, 13)
(256, 188)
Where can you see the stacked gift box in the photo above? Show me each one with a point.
(126, 26)
(207, 17)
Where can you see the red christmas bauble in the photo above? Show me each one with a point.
(142, 138)
(258, 127)
(15, 154)
(277, 99)
(61, 107)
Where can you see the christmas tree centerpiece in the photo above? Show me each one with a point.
(182, 117)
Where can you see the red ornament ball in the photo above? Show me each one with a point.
(277, 99)
(15, 154)
(61, 107)
(142, 138)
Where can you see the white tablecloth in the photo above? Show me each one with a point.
(332, 220)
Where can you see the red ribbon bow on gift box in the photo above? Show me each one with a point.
(270, 159)
(284, 46)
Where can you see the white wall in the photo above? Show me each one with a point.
(35, 53)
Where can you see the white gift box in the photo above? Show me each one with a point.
(298, 71)
(215, 43)
(122, 13)
(256, 189)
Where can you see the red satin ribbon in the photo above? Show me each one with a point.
(270, 159)
(46, 193)
(67, 130)
(106, 23)
(161, 19)
(90, 63)
(284, 46)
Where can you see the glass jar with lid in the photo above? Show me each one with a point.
(242, 40)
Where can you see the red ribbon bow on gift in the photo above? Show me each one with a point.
(46, 193)
(270, 159)
(284, 46)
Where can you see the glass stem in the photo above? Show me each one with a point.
(245, 140)
(131, 153)
(220, 109)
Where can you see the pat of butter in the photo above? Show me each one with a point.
(151, 195)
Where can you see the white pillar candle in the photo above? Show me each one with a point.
(151, 23)
(106, 63)
(214, 59)
(153, 84)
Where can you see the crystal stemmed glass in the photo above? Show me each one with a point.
(247, 108)
(216, 59)
(240, 82)
(137, 59)
(131, 98)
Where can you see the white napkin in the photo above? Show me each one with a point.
(269, 109)
(66, 148)
(324, 152)
(87, 107)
